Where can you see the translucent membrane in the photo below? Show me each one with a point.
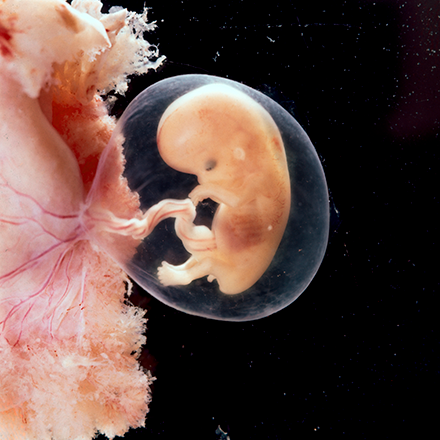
(303, 244)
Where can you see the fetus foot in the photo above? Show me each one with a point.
(182, 275)
(170, 275)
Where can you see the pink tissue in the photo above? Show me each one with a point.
(69, 340)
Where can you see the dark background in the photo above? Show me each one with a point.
(356, 355)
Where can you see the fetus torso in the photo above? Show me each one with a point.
(235, 149)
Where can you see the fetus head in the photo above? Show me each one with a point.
(217, 133)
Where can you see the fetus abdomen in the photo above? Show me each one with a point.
(248, 238)
(241, 230)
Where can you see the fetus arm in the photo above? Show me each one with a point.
(234, 198)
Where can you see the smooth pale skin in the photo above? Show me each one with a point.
(233, 146)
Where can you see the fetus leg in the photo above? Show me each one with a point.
(185, 266)
(184, 274)
(194, 238)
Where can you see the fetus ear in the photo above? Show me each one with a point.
(239, 153)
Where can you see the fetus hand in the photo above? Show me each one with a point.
(198, 194)
(215, 193)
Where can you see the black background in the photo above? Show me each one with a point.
(356, 355)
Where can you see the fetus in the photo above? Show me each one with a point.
(233, 146)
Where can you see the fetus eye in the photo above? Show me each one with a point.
(210, 165)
